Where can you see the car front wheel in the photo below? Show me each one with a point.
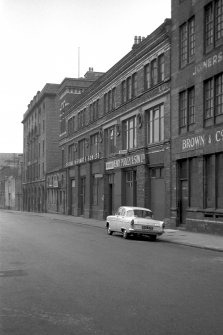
(109, 231)
(125, 234)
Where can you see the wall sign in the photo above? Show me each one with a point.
(201, 141)
(209, 62)
(125, 161)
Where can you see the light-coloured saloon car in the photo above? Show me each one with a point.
(134, 221)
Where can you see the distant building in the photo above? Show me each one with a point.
(197, 115)
(41, 129)
(11, 181)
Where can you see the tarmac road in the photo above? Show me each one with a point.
(59, 277)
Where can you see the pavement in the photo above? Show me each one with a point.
(191, 239)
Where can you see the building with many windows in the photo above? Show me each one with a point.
(42, 124)
(115, 147)
(40, 146)
(197, 115)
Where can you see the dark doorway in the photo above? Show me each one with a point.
(82, 194)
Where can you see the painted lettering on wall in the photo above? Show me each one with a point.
(209, 62)
(193, 142)
(125, 161)
(200, 141)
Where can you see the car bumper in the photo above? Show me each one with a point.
(145, 232)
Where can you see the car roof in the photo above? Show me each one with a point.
(134, 207)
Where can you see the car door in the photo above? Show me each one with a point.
(122, 219)
(114, 222)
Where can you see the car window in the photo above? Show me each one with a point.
(130, 213)
(142, 213)
(123, 212)
(119, 211)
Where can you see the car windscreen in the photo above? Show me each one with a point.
(140, 213)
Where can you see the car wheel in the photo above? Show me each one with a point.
(153, 237)
(109, 231)
(125, 234)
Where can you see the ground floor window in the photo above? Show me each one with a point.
(213, 176)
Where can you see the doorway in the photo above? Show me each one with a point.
(82, 194)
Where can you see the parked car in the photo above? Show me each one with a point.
(134, 221)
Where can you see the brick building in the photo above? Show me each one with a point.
(40, 146)
(114, 145)
(11, 181)
(56, 183)
(197, 115)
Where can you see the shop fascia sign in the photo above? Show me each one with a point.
(208, 62)
(130, 160)
(84, 159)
(201, 141)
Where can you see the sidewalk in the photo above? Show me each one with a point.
(198, 240)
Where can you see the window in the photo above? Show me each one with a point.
(154, 72)
(213, 24)
(109, 100)
(187, 107)
(194, 191)
(147, 76)
(209, 181)
(94, 144)
(213, 191)
(62, 124)
(71, 153)
(134, 85)
(113, 97)
(129, 88)
(124, 91)
(110, 140)
(94, 110)
(213, 100)
(155, 124)
(81, 118)
(105, 103)
(129, 133)
(187, 42)
(161, 68)
(81, 148)
(71, 125)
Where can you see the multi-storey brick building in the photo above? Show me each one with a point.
(114, 145)
(41, 125)
(197, 115)
(40, 146)
(56, 183)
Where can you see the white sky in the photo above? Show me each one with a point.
(39, 42)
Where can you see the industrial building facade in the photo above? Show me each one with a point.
(197, 115)
(115, 147)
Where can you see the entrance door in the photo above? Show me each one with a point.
(72, 196)
(131, 188)
(82, 194)
(110, 193)
(158, 198)
(183, 205)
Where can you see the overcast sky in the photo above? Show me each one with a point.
(40, 41)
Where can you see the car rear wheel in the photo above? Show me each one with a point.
(109, 231)
(153, 237)
(125, 234)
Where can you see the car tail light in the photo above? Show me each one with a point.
(132, 222)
